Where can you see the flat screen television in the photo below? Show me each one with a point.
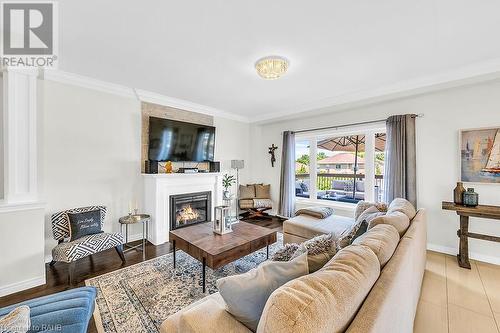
(178, 141)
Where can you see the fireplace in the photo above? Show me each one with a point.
(191, 208)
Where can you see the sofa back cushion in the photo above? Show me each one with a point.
(395, 218)
(247, 191)
(382, 240)
(339, 184)
(403, 206)
(325, 301)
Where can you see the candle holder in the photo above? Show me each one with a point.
(222, 220)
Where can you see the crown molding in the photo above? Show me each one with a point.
(473, 74)
(87, 82)
(139, 94)
(150, 97)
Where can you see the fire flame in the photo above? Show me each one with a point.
(187, 213)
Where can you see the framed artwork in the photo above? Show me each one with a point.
(480, 155)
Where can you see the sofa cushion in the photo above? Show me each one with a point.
(382, 239)
(403, 206)
(85, 246)
(308, 227)
(247, 191)
(263, 191)
(397, 219)
(209, 316)
(325, 301)
(246, 294)
(339, 184)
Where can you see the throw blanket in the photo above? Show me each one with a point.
(319, 212)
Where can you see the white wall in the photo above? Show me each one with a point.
(438, 154)
(91, 151)
(22, 258)
(1, 141)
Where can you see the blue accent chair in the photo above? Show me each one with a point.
(65, 312)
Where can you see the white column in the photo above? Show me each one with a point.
(369, 166)
(20, 135)
(313, 168)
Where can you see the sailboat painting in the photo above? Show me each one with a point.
(480, 155)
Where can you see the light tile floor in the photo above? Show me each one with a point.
(458, 300)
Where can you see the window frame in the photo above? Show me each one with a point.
(369, 130)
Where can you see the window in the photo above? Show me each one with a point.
(302, 178)
(348, 167)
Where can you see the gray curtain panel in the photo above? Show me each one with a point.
(287, 181)
(400, 159)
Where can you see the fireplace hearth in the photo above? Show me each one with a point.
(190, 208)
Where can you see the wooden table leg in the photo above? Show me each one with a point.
(267, 251)
(173, 245)
(463, 251)
(203, 273)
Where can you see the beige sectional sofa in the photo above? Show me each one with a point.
(372, 285)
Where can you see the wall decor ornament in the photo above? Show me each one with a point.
(480, 155)
(458, 193)
(471, 198)
(272, 149)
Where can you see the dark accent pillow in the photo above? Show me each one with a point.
(83, 224)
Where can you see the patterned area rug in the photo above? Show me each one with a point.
(140, 297)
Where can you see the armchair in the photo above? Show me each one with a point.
(71, 251)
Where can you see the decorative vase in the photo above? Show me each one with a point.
(226, 195)
(470, 198)
(458, 193)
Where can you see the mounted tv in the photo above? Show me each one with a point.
(178, 141)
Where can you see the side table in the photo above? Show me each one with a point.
(464, 212)
(133, 219)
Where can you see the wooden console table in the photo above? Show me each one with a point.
(481, 211)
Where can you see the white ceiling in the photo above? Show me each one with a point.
(204, 51)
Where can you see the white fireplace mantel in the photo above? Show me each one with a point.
(159, 187)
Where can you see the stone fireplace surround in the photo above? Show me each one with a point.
(159, 187)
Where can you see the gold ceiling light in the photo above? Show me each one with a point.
(271, 67)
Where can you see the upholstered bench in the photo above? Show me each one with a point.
(65, 312)
(300, 228)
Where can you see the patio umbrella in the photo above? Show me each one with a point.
(352, 143)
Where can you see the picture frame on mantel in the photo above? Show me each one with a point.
(479, 151)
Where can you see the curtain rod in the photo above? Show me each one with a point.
(352, 124)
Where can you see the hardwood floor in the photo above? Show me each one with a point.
(101, 263)
(98, 264)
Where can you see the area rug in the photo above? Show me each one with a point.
(140, 297)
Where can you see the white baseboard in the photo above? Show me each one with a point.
(23, 285)
(472, 255)
(131, 238)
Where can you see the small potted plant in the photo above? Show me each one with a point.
(227, 182)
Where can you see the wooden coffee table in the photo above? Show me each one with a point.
(215, 251)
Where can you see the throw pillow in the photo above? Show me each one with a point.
(285, 253)
(246, 294)
(361, 206)
(347, 237)
(319, 249)
(263, 191)
(403, 206)
(247, 191)
(83, 224)
(17, 321)
(349, 186)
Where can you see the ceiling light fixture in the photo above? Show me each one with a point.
(271, 67)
